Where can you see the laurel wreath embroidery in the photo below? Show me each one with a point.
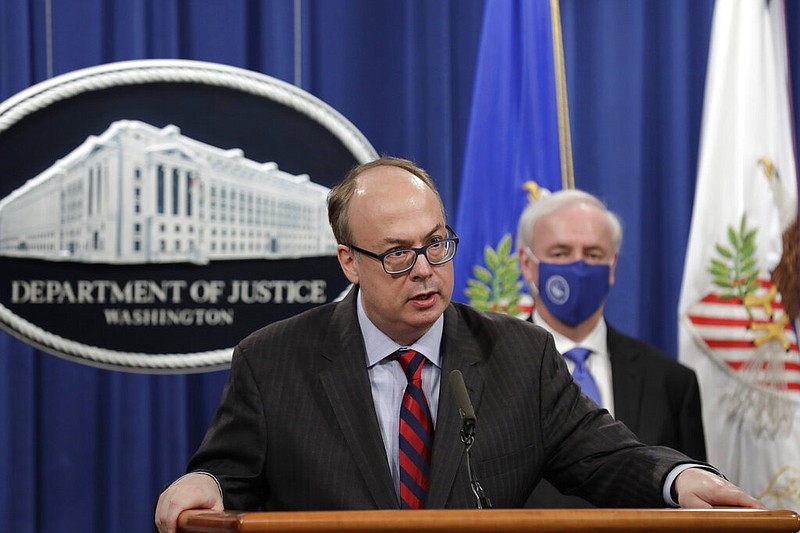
(735, 273)
(496, 287)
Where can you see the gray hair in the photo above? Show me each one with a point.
(549, 204)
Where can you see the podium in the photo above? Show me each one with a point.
(494, 520)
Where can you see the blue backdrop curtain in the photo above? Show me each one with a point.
(84, 449)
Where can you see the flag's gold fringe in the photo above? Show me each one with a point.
(769, 411)
(564, 137)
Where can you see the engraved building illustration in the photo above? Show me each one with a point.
(141, 194)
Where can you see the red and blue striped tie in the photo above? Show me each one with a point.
(416, 433)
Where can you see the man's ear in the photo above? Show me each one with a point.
(347, 261)
(612, 270)
(529, 269)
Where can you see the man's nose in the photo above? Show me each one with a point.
(422, 268)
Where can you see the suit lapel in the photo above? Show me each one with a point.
(627, 385)
(447, 446)
(346, 382)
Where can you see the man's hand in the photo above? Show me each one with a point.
(192, 491)
(700, 489)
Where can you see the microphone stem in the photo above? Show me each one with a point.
(482, 501)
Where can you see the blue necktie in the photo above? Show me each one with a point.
(581, 374)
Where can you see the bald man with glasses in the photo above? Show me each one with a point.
(344, 406)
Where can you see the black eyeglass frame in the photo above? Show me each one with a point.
(417, 252)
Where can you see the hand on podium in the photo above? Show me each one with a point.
(192, 491)
(697, 488)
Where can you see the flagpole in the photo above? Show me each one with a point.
(562, 106)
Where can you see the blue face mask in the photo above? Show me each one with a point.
(573, 291)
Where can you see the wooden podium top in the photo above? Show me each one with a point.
(499, 520)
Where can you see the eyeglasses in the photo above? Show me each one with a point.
(399, 260)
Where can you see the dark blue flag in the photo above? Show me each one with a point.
(513, 136)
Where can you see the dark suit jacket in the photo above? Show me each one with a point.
(296, 427)
(654, 396)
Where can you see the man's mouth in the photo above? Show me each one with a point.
(423, 297)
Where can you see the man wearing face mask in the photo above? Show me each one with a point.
(568, 244)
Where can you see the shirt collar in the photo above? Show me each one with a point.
(596, 340)
(379, 345)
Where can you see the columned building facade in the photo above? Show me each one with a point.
(139, 194)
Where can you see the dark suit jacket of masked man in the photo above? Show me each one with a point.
(654, 396)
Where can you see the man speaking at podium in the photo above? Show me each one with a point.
(345, 406)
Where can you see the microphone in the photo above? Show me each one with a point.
(469, 420)
(464, 404)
